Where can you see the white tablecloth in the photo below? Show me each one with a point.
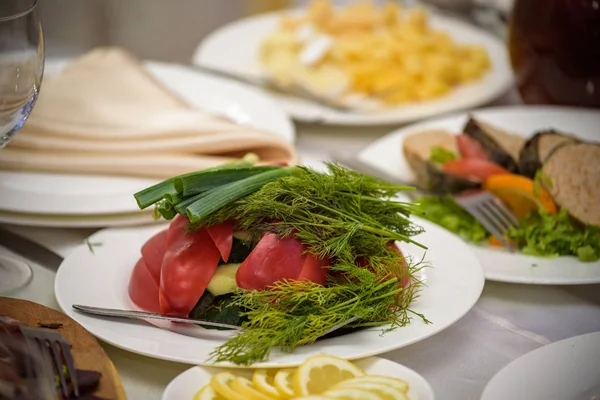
(508, 321)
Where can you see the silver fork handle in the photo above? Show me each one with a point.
(111, 312)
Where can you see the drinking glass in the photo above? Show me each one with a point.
(555, 51)
(21, 71)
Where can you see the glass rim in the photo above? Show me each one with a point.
(22, 13)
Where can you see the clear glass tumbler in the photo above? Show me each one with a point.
(21, 71)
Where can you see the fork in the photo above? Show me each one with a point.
(270, 84)
(56, 351)
(129, 314)
(489, 212)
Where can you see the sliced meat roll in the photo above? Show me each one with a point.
(503, 148)
(430, 176)
(572, 176)
(537, 149)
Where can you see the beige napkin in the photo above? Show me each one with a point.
(106, 114)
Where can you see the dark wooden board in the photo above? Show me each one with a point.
(87, 352)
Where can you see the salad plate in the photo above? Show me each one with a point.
(214, 52)
(387, 155)
(31, 198)
(567, 369)
(101, 277)
(187, 384)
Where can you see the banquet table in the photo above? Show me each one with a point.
(508, 321)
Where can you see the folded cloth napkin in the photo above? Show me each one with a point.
(106, 114)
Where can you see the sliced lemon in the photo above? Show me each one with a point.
(283, 383)
(263, 380)
(382, 390)
(221, 383)
(395, 383)
(244, 387)
(208, 393)
(351, 394)
(319, 373)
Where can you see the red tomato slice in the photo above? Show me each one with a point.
(473, 168)
(143, 289)
(153, 252)
(188, 266)
(401, 272)
(272, 260)
(222, 235)
(470, 148)
(275, 259)
(314, 269)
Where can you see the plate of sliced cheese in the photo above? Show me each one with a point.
(390, 64)
(107, 125)
(320, 377)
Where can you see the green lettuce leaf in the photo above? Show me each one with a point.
(542, 234)
(552, 235)
(440, 155)
(444, 211)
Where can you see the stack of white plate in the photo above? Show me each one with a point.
(63, 200)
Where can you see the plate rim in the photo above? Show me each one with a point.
(521, 108)
(424, 383)
(336, 119)
(478, 277)
(76, 221)
(485, 395)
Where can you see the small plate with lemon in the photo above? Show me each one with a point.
(320, 377)
(542, 162)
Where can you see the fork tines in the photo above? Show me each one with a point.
(56, 351)
(489, 212)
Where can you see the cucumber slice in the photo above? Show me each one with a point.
(223, 281)
(244, 236)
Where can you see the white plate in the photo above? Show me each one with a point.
(187, 384)
(565, 370)
(215, 51)
(77, 221)
(101, 279)
(386, 154)
(87, 195)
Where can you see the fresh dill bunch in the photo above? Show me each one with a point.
(341, 214)
(345, 216)
(291, 314)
